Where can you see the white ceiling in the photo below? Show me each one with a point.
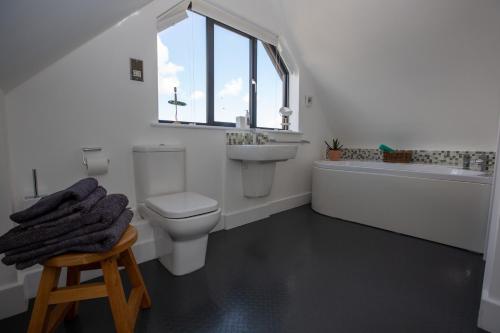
(34, 33)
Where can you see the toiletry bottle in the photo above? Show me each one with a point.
(248, 118)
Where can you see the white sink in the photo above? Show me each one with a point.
(258, 163)
(261, 153)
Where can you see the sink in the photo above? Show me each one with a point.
(258, 163)
(262, 153)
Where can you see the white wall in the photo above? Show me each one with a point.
(11, 292)
(7, 275)
(489, 312)
(408, 73)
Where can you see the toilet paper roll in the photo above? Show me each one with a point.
(97, 164)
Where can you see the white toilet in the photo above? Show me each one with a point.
(186, 217)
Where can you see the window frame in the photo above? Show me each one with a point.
(253, 80)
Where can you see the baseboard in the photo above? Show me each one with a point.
(13, 300)
(256, 213)
(488, 314)
(290, 202)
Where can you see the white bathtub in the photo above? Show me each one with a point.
(434, 202)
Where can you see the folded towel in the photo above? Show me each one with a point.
(73, 194)
(40, 247)
(99, 241)
(104, 212)
(83, 207)
(100, 218)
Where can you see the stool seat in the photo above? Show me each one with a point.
(53, 304)
(78, 259)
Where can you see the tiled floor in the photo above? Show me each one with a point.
(299, 271)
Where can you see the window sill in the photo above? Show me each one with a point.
(223, 128)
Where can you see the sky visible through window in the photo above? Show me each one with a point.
(269, 91)
(182, 64)
(231, 75)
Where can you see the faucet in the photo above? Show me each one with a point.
(482, 162)
(466, 162)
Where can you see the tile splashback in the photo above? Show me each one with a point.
(246, 138)
(443, 157)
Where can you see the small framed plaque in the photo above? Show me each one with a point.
(136, 70)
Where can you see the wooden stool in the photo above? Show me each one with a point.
(64, 301)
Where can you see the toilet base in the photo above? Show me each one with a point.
(186, 256)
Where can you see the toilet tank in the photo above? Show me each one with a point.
(158, 169)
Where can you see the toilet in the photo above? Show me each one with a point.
(186, 217)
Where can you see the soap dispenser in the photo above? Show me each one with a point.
(248, 118)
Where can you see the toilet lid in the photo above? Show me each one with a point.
(181, 205)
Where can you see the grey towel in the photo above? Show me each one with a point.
(99, 241)
(71, 195)
(103, 213)
(83, 207)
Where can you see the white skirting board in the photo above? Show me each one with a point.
(14, 297)
(488, 314)
(248, 215)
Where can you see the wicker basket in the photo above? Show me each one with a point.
(399, 156)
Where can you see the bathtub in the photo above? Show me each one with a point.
(434, 202)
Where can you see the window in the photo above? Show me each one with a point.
(231, 75)
(271, 87)
(180, 66)
(212, 73)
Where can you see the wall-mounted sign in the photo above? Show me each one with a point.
(136, 70)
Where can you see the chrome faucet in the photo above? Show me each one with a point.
(482, 162)
(466, 162)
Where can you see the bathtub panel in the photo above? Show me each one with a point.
(449, 212)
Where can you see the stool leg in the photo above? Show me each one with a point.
(50, 277)
(135, 276)
(116, 295)
(73, 279)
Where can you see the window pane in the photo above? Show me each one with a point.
(269, 90)
(231, 75)
(182, 64)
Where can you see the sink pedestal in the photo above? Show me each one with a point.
(258, 163)
(257, 178)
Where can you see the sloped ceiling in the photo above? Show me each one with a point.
(34, 33)
(413, 73)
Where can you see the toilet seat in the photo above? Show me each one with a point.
(181, 205)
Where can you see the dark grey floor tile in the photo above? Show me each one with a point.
(299, 271)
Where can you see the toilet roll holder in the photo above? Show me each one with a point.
(89, 150)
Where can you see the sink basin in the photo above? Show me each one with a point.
(258, 163)
(261, 153)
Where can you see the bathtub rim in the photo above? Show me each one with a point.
(486, 179)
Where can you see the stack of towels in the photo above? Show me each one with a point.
(81, 218)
